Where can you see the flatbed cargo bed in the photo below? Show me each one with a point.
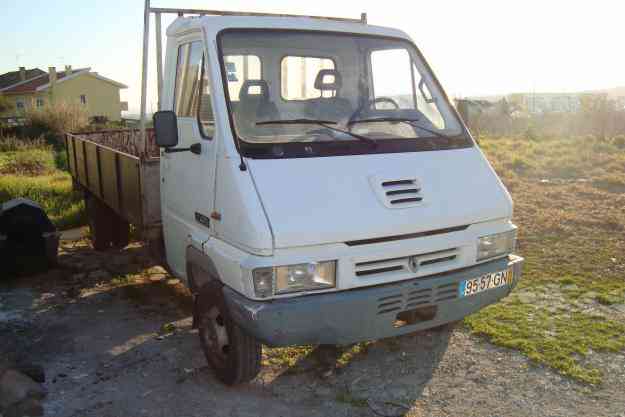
(115, 167)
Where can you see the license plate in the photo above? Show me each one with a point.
(485, 282)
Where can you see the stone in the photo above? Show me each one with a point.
(29, 407)
(100, 274)
(157, 270)
(16, 387)
(35, 372)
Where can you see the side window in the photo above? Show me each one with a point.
(396, 77)
(240, 68)
(298, 76)
(392, 78)
(192, 91)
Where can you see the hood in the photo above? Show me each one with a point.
(311, 201)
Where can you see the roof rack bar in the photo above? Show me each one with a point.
(158, 11)
(202, 12)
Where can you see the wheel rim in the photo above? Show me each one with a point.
(215, 335)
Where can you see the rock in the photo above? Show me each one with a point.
(323, 391)
(35, 372)
(157, 270)
(157, 277)
(79, 276)
(100, 275)
(15, 388)
(30, 407)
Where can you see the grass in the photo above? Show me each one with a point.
(569, 198)
(33, 170)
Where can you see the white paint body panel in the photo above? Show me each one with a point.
(313, 201)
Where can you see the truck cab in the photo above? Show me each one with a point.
(318, 187)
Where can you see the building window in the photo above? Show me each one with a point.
(39, 102)
(19, 104)
(83, 99)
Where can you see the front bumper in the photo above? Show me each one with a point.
(367, 313)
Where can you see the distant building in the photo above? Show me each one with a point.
(538, 103)
(33, 88)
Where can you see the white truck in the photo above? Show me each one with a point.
(312, 184)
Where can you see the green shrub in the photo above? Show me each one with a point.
(53, 121)
(53, 192)
(28, 162)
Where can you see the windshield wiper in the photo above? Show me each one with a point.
(296, 122)
(411, 122)
(323, 123)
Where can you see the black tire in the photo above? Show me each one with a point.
(236, 362)
(121, 231)
(100, 223)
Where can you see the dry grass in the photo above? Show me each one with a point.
(569, 199)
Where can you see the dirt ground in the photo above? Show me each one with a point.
(114, 346)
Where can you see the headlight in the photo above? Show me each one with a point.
(294, 278)
(499, 244)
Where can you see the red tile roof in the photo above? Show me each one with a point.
(32, 85)
(13, 77)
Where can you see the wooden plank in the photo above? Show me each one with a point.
(108, 172)
(130, 189)
(93, 168)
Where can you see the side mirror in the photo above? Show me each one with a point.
(165, 128)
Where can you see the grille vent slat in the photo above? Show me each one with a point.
(401, 192)
(406, 265)
(410, 299)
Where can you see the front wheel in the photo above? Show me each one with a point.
(234, 355)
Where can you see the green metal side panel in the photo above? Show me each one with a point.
(108, 172)
(130, 184)
(81, 168)
(71, 155)
(93, 168)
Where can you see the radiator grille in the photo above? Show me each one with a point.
(399, 267)
(413, 298)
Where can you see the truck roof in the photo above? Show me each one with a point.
(214, 24)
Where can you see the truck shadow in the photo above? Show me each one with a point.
(98, 329)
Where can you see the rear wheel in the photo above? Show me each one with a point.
(233, 354)
(121, 231)
(100, 223)
(107, 228)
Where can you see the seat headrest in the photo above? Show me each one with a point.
(262, 85)
(328, 80)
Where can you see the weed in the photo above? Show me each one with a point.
(53, 192)
(570, 233)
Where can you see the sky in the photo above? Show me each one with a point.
(476, 47)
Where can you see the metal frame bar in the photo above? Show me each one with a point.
(158, 11)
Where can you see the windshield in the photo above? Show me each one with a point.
(290, 89)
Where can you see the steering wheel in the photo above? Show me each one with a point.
(383, 100)
(369, 105)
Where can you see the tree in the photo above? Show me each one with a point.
(5, 104)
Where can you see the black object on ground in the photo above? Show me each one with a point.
(28, 240)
